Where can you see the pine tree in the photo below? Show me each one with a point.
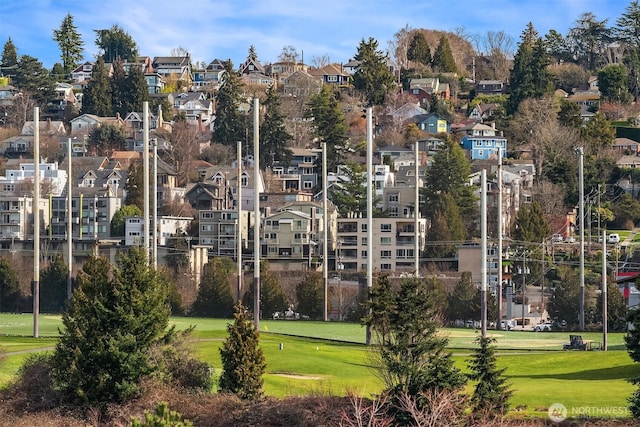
(9, 54)
(272, 297)
(96, 98)
(463, 300)
(412, 354)
(214, 295)
(350, 192)
(310, 295)
(31, 77)
(419, 50)
(118, 89)
(53, 289)
(136, 90)
(229, 126)
(443, 60)
(274, 137)
(373, 77)
(329, 125)
(70, 43)
(134, 186)
(10, 298)
(116, 43)
(243, 362)
(491, 394)
(114, 318)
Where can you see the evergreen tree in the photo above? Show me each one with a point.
(96, 98)
(10, 297)
(616, 307)
(349, 194)
(70, 44)
(106, 139)
(564, 303)
(589, 38)
(463, 300)
(136, 91)
(243, 362)
(31, 77)
(134, 187)
(598, 134)
(229, 126)
(570, 114)
(118, 89)
(411, 353)
(443, 60)
(329, 125)
(628, 26)
(612, 83)
(274, 137)
(419, 50)
(491, 395)
(53, 290)
(214, 295)
(529, 76)
(449, 174)
(116, 43)
(310, 296)
(373, 77)
(9, 54)
(114, 318)
(272, 297)
(57, 73)
(447, 230)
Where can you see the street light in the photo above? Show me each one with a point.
(580, 152)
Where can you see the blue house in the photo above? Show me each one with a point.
(432, 123)
(482, 143)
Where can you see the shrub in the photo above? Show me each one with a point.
(162, 418)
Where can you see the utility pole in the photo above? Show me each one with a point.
(580, 152)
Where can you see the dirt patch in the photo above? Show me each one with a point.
(298, 377)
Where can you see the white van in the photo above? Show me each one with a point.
(613, 238)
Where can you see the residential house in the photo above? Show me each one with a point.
(7, 98)
(398, 201)
(389, 153)
(491, 87)
(300, 174)
(195, 106)
(301, 84)
(482, 142)
(176, 67)
(424, 89)
(351, 66)
(85, 123)
(626, 146)
(52, 178)
(219, 189)
(251, 65)
(218, 230)
(393, 244)
(482, 112)
(407, 112)
(210, 77)
(432, 123)
(331, 74)
(382, 177)
(46, 127)
(587, 100)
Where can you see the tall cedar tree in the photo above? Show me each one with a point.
(598, 134)
(588, 39)
(491, 394)
(612, 83)
(310, 295)
(9, 54)
(616, 307)
(53, 289)
(117, 222)
(462, 301)
(448, 175)
(529, 76)
(349, 194)
(272, 297)
(447, 230)
(114, 318)
(419, 50)
(70, 44)
(10, 297)
(329, 125)
(274, 137)
(136, 90)
(31, 77)
(116, 43)
(373, 77)
(564, 302)
(443, 60)
(214, 295)
(243, 362)
(413, 357)
(229, 126)
(96, 97)
(118, 89)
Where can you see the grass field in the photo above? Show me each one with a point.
(331, 359)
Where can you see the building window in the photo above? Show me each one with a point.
(393, 198)
(385, 254)
(363, 254)
(385, 266)
(393, 211)
(307, 185)
(385, 240)
(364, 227)
(364, 241)
(385, 228)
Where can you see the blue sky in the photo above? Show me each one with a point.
(225, 29)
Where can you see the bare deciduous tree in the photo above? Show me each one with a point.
(320, 61)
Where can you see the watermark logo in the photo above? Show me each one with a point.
(557, 412)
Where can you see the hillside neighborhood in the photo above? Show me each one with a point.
(552, 127)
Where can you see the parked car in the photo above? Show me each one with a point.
(613, 238)
(506, 324)
(570, 239)
(543, 327)
(557, 238)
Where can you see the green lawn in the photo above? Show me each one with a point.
(331, 358)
